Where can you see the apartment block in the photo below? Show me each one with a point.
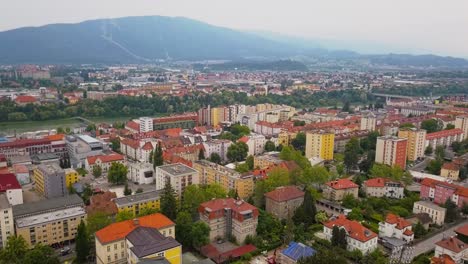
(137, 202)
(179, 176)
(218, 146)
(452, 247)
(229, 217)
(439, 192)
(146, 124)
(50, 180)
(383, 187)
(391, 151)
(450, 170)
(283, 201)
(10, 186)
(435, 212)
(320, 145)
(444, 138)
(267, 160)
(416, 142)
(7, 227)
(71, 177)
(368, 121)
(461, 122)
(336, 190)
(228, 179)
(49, 222)
(396, 227)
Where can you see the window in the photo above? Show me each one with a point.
(108, 258)
(116, 256)
(115, 246)
(122, 244)
(108, 249)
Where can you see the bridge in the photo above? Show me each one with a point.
(393, 96)
(84, 120)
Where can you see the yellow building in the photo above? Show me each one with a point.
(285, 137)
(138, 202)
(50, 180)
(71, 177)
(229, 179)
(319, 144)
(267, 160)
(416, 142)
(218, 115)
(450, 170)
(111, 241)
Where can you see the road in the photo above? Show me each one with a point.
(429, 243)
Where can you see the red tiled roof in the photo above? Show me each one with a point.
(8, 181)
(20, 168)
(408, 232)
(25, 99)
(342, 184)
(133, 125)
(444, 133)
(442, 259)
(462, 230)
(459, 190)
(236, 206)
(376, 182)
(120, 230)
(399, 221)
(244, 139)
(105, 158)
(56, 137)
(134, 144)
(285, 193)
(147, 146)
(354, 229)
(450, 166)
(453, 244)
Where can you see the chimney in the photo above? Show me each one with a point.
(136, 222)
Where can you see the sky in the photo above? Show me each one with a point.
(368, 26)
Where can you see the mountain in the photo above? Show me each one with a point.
(152, 38)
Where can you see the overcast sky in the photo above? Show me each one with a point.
(418, 26)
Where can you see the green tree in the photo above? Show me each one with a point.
(250, 162)
(127, 191)
(183, 228)
(200, 234)
(169, 202)
(435, 166)
(419, 230)
(321, 217)
(117, 173)
(449, 126)
(309, 209)
(276, 177)
(97, 171)
(431, 125)
(158, 156)
(349, 201)
(139, 190)
(14, 251)
(41, 254)
(356, 214)
(215, 158)
(147, 211)
(440, 152)
(395, 173)
(237, 151)
(323, 256)
(82, 243)
(201, 154)
(97, 221)
(124, 215)
(299, 141)
(270, 146)
(115, 144)
(451, 214)
(314, 175)
(428, 150)
(151, 156)
(352, 154)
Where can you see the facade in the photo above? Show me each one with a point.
(50, 180)
(146, 124)
(338, 189)
(368, 121)
(184, 121)
(461, 122)
(285, 137)
(104, 161)
(141, 172)
(294, 252)
(383, 187)
(10, 186)
(450, 170)
(453, 247)
(138, 150)
(267, 160)
(146, 243)
(255, 142)
(416, 142)
(219, 146)
(71, 177)
(396, 227)
(320, 145)
(111, 246)
(229, 179)
(179, 176)
(229, 217)
(49, 222)
(82, 146)
(25, 147)
(435, 212)
(7, 227)
(283, 202)
(358, 237)
(391, 151)
(444, 138)
(137, 202)
(438, 192)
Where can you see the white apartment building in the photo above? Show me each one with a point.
(368, 121)
(146, 124)
(383, 187)
(454, 248)
(219, 146)
(7, 227)
(396, 227)
(140, 172)
(435, 212)
(255, 142)
(179, 176)
(461, 122)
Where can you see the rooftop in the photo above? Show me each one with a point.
(462, 230)
(137, 198)
(285, 193)
(177, 169)
(50, 216)
(342, 184)
(430, 205)
(354, 229)
(297, 251)
(8, 181)
(48, 205)
(147, 241)
(399, 221)
(88, 139)
(51, 168)
(453, 244)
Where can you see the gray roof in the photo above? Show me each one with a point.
(156, 260)
(137, 198)
(147, 241)
(48, 205)
(430, 205)
(176, 169)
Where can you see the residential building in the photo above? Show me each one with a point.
(383, 187)
(3, 161)
(416, 142)
(439, 191)
(450, 170)
(358, 237)
(342, 139)
(229, 179)
(320, 145)
(178, 175)
(391, 151)
(140, 172)
(146, 243)
(111, 246)
(396, 227)
(138, 150)
(104, 161)
(229, 217)
(283, 201)
(138, 202)
(184, 121)
(25, 147)
(368, 121)
(22, 174)
(146, 124)
(285, 137)
(10, 186)
(255, 142)
(435, 212)
(50, 180)
(453, 247)
(269, 159)
(82, 146)
(71, 177)
(444, 137)
(219, 115)
(7, 227)
(267, 128)
(336, 190)
(462, 233)
(294, 252)
(218, 146)
(49, 222)
(461, 122)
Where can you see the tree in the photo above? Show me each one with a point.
(394, 172)
(435, 166)
(147, 211)
(237, 151)
(289, 231)
(82, 243)
(115, 144)
(335, 239)
(349, 201)
(323, 256)
(97, 171)
(449, 126)
(127, 191)
(299, 141)
(356, 214)
(41, 254)
(250, 162)
(352, 153)
(169, 202)
(428, 150)
(276, 177)
(16, 247)
(314, 175)
(431, 125)
(321, 217)
(346, 107)
(151, 156)
(139, 190)
(452, 211)
(201, 154)
(117, 173)
(309, 209)
(419, 230)
(184, 228)
(158, 156)
(440, 152)
(97, 221)
(124, 215)
(269, 146)
(200, 234)
(215, 158)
